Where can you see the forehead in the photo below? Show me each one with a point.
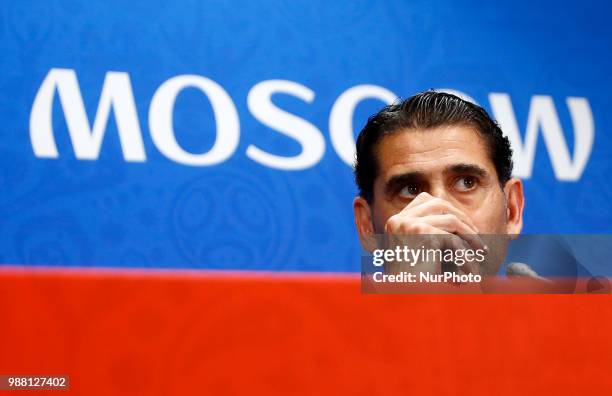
(431, 150)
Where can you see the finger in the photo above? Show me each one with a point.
(466, 266)
(419, 199)
(459, 264)
(458, 244)
(440, 206)
(424, 204)
(433, 235)
(442, 240)
(469, 268)
(454, 225)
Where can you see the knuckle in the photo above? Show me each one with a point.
(439, 203)
(393, 223)
(400, 225)
(455, 221)
(435, 201)
(419, 228)
(451, 220)
(407, 228)
(457, 241)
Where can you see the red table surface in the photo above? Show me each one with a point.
(163, 333)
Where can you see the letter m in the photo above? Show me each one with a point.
(86, 141)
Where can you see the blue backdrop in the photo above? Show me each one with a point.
(153, 210)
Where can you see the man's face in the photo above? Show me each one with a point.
(448, 162)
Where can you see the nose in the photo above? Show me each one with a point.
(439, 189)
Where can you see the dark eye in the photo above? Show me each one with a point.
(410, 191)
(466, 183)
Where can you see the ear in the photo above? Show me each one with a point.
(515, 201)
(363, 222)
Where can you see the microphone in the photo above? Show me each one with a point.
(522, 269)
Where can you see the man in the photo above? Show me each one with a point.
(435, 164)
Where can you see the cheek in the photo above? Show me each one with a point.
(490, 216)
(379, 222)
(381, 214)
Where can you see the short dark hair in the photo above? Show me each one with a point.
(425, 110)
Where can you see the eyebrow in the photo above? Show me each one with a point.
(400, 180)
(470, 169)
